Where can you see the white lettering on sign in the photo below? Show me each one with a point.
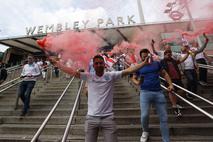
(59, 27)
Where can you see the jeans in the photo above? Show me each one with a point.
(158, 99)
(25, 90)
(191, 77)
(106, 123)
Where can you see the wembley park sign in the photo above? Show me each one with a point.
(100, 23)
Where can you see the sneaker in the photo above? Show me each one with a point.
(203, 83)
(177, 112)
(23, 113)
(144, 137)
(179, 106)
(189, 96)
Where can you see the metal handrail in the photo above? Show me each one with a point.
(211, 103)
(9, 82)
(13, 68)
(14, 79)
(64, 138)
(205, 66)
(35, 137)
(210, 55)
(9, 86)
(193, 105)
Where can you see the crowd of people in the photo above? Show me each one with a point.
(105, 68)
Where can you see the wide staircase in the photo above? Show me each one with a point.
(14, 127)
(192, 126)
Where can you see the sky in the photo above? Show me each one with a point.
(15, 15)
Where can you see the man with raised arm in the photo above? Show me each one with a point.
(100, 98)
(151, 93)
(189, 67)
(171, 66)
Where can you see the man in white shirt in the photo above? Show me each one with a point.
(29, 74)
(201, 59)
(189, 67)
(100, 98)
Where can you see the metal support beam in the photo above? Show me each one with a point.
(16, 47)
(27, 44)
(122, 35)
(34, 38)
(110, 44)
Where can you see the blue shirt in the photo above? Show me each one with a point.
(150, 74)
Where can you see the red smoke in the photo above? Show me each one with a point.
(80, 47)
(129, 49)
(174, 38)
(77, 47)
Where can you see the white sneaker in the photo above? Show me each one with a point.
(189, 96)
(179, 106)
(144, 137)
(203, 83)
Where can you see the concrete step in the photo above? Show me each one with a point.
(193, 126)
(67, 103)
(190, 138)
(56, 138)
(72, 94)
(33, 102)
(154, 119)
(36, 112)
(68, 97)
(120, 120)
(201, 129)
(31, 129)
(136, 111)
(118, 97)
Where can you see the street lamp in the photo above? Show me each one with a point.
(140, 11)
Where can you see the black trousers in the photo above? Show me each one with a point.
(191, 77)
(202, 71)
(25, 90)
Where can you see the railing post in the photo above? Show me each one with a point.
(51, 73)
(64, 138)
(17, 101)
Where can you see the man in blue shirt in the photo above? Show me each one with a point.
(151, 93)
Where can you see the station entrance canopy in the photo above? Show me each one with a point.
(26, 43)
(113, 36)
